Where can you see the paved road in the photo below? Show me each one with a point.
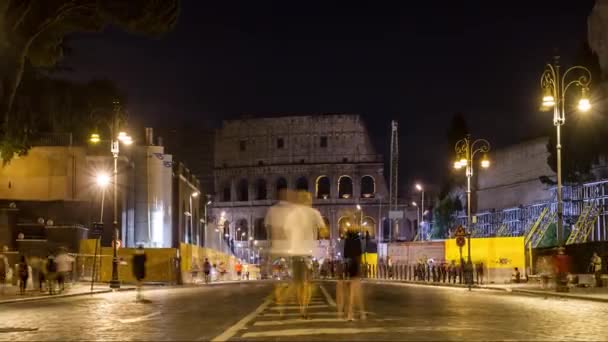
(245, 312)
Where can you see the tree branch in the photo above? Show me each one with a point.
(21, 18)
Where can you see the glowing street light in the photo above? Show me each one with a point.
(102, 180)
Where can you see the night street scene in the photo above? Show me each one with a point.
(188, 170)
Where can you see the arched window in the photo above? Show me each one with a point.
(259, 230)
(344, 224)
(345, 187)
(369, 226)
(242, 230)
(281, 185)
(226, 193)
(260, 189)
(242, 192)
(368, 187)
(323, 187)
(302, 184)
(324, 231)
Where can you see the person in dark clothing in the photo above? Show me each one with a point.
(51, 273)
(22, 270)
(139, 269)
(352, 253)
(207, 270)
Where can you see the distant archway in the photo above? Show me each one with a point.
(345, 187)
(226, 192)
(302, 183)
(261, 189)
(259, 230)
(323, 187)
(369, 225)
(242, 230)
(242, 192)
(368, 187)
(344, 225)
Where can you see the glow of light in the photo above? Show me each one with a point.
(209, 202)
(463, 162)
(457, 165)
(226, 235)
(95, 138)
(195, 194)
(365, 223)
(584, 105)
(358, 207)
(102, 180)
(485, 163)
(223, 213)
(157, 227)
(548, 101)
(419, 187)
(348, 224)
(414, 204)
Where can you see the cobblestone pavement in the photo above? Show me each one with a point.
(246, 312)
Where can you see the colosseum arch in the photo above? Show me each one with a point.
(368, 186)
(345, 187)
(369, 225)
(259, 230)
(344, 224)
(242, 190)
(281, 184)
(242, 230)
(261, 192)
(226, 192)
(323, 187)
(302, 183)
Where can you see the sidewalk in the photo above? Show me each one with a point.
(589, 293)
(11, 293)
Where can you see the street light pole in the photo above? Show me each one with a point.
(421, 220)
(466, 149)
(115, 283)
(555, 87)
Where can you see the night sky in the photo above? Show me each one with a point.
(417, 63)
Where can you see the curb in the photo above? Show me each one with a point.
(58, 296)
(500, 289)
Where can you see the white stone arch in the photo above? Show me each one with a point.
(345, 186)
(323, 190)
(367, 186)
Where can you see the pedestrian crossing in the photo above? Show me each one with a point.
(283, 321)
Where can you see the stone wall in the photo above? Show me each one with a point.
(513, 177)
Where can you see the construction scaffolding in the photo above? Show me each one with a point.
(585, 217)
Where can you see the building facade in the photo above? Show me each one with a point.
(330, 156)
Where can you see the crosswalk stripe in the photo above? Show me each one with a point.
(298, 321)
(297, 314)
(312, 331)
(297, 307)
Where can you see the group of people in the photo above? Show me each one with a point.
(50, 274)
(294, 227)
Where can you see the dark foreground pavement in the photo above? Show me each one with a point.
(245, 312)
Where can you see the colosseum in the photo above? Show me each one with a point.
(331, 156)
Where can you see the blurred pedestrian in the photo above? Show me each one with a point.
(64, 268)
(51, 273)
(3, 272)
(516, 276)
(596, 268)
(22, 271)
(238, 268)
(340, 288)
(139, 270)
(479, 270)
(207, 270)
(352, 253)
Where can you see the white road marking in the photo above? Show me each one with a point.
(297, 314)
(138, 319)
(230, 332)
(344, 331)
(299, 320)
(297, 307)
(328, 297)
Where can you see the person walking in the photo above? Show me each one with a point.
(238, 268)
(596, 268)
(352, 254)
(139, 270)
(3, 272)
(51, 273)
(22, 271)
(479, 270)
(64, 268)
(207, 270)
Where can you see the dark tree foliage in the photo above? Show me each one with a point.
(34, 32)
(584, 135)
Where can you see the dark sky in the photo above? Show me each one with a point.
(415, 61)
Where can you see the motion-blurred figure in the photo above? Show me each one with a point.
(64, 268)
(352, 254)
(207, 270)
(139, 270)
(3, 270)
(22, 271)
(51, 273)
(596, 268)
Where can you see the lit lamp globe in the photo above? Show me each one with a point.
(485, 162)
(102, 180)
(548, 99)
(457, 165)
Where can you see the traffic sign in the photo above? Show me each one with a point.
(460, 231)
(460, 241)
(97, 229)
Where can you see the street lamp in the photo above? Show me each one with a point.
(204, 220)
(420, 225)
(124, 138)
(555, 86)
(102, 180)
(360, 210)
(466, 149)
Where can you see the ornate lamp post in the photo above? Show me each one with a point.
(555, 86)
(466, 149)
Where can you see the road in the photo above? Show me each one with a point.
(236, 312)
